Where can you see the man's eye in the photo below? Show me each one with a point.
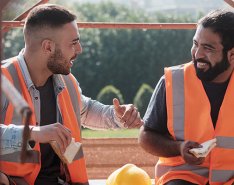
(208, 49)
(195, 44)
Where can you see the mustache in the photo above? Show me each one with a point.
(201, 61)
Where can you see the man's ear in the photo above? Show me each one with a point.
(230, 55)
(48, 46)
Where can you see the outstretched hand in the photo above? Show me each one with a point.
(128, 114)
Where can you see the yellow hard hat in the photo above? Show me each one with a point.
(129, 174)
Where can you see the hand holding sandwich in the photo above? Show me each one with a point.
(53, 132)
(195, 153)
(189, 158)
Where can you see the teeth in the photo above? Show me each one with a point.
(199, 64)
(202, 64)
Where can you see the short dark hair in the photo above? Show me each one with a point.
(221, 21)
(48, 15)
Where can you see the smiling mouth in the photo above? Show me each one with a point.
(71, 62)
(202, 65)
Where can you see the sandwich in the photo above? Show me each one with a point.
(70, 153)
(205, 149)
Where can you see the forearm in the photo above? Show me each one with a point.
(157, 144)
(96, 115)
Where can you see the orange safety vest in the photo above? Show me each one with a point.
(69, 102)
(188, 111)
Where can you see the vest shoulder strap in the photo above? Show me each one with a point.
(74, 93)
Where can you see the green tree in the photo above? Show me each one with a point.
(107, 94)
(142, 98)
(125, 58)
(14, 8)
(13, 43)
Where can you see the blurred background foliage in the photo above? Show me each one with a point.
(108, 93)
(130, 60)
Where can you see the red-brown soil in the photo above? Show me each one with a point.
(103, 156)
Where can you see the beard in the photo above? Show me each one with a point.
(57, 63)
(212, 72)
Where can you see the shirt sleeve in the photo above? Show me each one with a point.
(4, 104)
(10, 135)
(155, 117)
(95, 115)
(11, 138)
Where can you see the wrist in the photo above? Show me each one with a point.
(31, 133)
(179, 151)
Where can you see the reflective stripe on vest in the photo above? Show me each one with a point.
(178, 99)
(74, 95)
(225, 142)
(10, 71)
(174, 78)
(223, 175)
(69, 99)
(33, 157)
(77, 168)
(187, 105)
(163, 169)
(11, 164)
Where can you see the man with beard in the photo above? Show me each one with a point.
(41, 73)
(193, 103)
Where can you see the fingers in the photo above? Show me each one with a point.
(138, 122)
(130, 122)
(63, 136)
(67, 133)
(116, 103)
(60, 142)
(119, 109)
(53, 132)
(189, 157)
(4, 179)
(132, 118)
(128, 114)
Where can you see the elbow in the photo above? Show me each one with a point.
(146, 140)
(142, 139)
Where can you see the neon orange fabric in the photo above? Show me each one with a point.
(26, 170)
(198, 127)
(10, 108)
(77, 174)
(30, 171)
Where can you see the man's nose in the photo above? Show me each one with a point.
(199, 53)
(77, 48)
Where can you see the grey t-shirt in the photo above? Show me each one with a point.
(155, 116)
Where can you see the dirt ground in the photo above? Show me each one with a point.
(103, 156)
